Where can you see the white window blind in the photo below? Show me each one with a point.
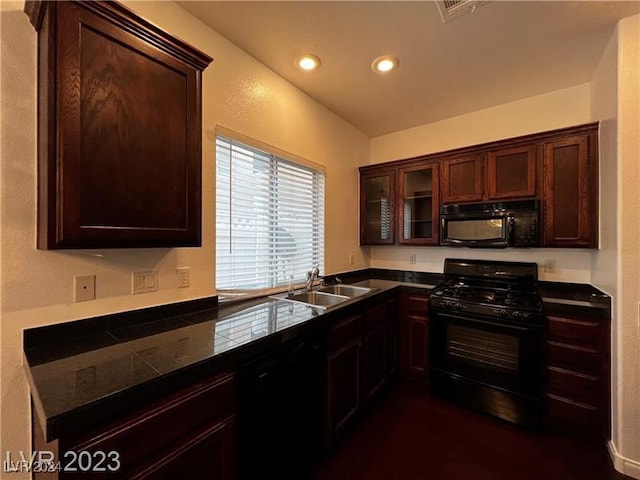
(269, 219)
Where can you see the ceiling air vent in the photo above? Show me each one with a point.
(452, 9)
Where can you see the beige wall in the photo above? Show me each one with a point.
(604, 104)
(626, 340)
(561, 108)
(238, 93)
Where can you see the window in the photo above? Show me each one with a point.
(269, 219)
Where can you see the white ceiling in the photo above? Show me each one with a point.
(504, 51)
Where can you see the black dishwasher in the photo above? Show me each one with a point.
(281, 411)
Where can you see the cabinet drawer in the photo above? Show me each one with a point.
(574, 357)
(572, 385)
(573, 417)
(418, 304)
(344, 332)
(574, 330)
(149, 433)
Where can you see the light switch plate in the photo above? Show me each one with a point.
(143, 282)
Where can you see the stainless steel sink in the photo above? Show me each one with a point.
(346, 290)
(314, 299)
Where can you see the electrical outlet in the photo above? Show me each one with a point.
(550, 266)
(412, 258)
(182, 277)
(84, 287)
(143, 282)
(351, 260)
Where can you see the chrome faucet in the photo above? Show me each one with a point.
(311, 277)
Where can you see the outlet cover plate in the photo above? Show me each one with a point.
(84, 287)
(182, 277)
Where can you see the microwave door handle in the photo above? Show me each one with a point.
(510, 229)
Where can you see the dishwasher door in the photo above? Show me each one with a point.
(281, 412)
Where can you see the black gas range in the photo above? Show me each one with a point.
(486, 338)
(499, 299)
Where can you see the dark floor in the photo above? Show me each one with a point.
(409, 435)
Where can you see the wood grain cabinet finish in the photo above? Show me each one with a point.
(119, 127)
(374, 351)
(559, 167)
(578, 385)
(462, 179)
(360, 362)
(343, 375)
(414, 325)
(511, 173)
(570, 176)
(498, 174)
(192, 433)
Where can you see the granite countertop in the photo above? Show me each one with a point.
(105, 366)
(72, 381)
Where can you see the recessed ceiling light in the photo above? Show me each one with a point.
(308, 62)
(384, 64)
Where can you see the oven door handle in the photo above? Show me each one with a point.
(502, 326)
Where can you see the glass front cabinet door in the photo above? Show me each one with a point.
(377, 195)
(418, 205)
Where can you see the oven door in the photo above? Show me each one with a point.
(494, 353)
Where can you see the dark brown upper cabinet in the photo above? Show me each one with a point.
(570, 195)
(559, 167)
(377, 200)
(119, 129)
(418, 204)
(503, 173)
(462, 179)
(511, 173)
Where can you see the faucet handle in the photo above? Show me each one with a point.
(338, 280)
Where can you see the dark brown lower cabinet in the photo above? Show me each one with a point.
(578, 385)
(414, 324)
(212, 454)
(360, 362)
(375, 343)
(343, 375)
(191, 434)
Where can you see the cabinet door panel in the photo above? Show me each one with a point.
(462, 179)
(343, 386)
(210, 455)
(374, 348)
(418, 346)
(121, 121)
(418, 205)
(570, 193)
(167, 424)
(377, 197)
(511, 173)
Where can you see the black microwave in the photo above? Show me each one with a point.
(496, 224)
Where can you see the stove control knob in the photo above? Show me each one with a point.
(452, 305)
(503, 312)
(517, 314)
